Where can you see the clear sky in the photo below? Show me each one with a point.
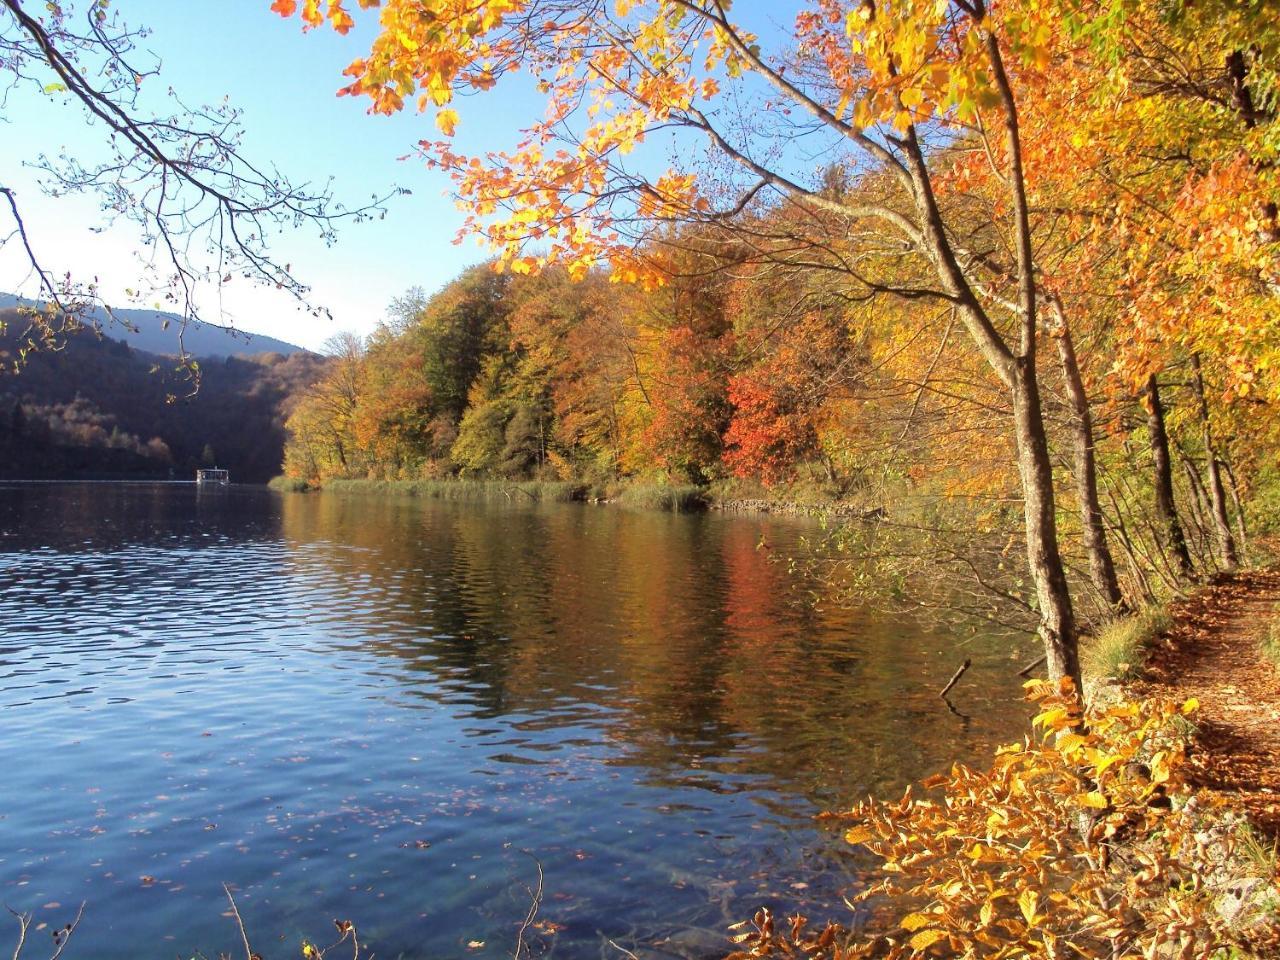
(285, 83)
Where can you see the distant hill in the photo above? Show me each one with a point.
(99, 408)
(201, 340)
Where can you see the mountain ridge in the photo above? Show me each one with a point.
(201, 340)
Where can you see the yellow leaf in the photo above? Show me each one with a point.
(447, 121)
(926, 938)
(1069, 742)
(857, 835)
(1027, 901)
(916, 921)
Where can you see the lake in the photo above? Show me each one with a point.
(393, 711)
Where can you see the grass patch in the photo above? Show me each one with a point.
(1270, 644)
(681, 499)
(469, 491)
(290, 485)
(1258, 850)
(1117, 652)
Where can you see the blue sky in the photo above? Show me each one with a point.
(285, 82)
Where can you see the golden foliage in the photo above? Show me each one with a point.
(1082, 841)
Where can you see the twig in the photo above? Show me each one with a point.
(535, 901)
(346, 929)
(67, 932)
(24, 921)
(621, 948)
(955, 678)
(61, 937)
(244, 936)
(1026, 671)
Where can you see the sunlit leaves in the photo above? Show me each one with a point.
(1022, 859)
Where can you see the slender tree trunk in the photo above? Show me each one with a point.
(1057, 620)
(1176, 541)
(1200, 509)
(1015, 367)
(1102, 568)
(1130, 549)
(1242, 533)
(1217, 494)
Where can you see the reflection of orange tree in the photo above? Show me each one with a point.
(692, 639)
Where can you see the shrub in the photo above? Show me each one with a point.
(290, 485)
(474, 491)
(1081, 841)
(680, 499)
(1118, 651)
(1271, 643)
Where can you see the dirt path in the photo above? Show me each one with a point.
(1212, 654)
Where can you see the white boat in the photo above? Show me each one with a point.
(213, 475)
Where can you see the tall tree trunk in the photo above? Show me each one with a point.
(1102, 568)
(1217, 494)
(1200, 510)
(1016, 367)
(1242, 533)
(1057, 620)
(1176, 541)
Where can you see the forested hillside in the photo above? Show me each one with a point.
(98, 408)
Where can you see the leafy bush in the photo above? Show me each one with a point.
(290, 485)
(474, 491)
(1083, 841)
(1271, 643)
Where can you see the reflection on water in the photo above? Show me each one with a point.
(371, 709)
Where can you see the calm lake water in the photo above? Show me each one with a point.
(384, 710)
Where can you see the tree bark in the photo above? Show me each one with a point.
(1242, 532)
(1199, 508)
(1102, 568)
(1057, 619)
(1166, 509)
(1213, 469)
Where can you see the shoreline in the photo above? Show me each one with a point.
(673, 498)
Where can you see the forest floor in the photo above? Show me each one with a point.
(1214, 653)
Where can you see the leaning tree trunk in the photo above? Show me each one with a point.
(1165, 505)
(1057, 620)
(1017, 369)
(1102, 568)
(1217, 493)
